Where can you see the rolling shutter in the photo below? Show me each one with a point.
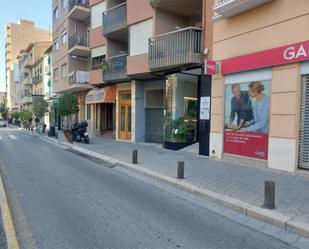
(303, 156)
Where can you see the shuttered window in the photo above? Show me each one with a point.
(303, 156)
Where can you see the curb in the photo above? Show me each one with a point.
(10, 233)
(272, 217)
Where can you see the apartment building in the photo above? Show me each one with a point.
(147, 59)
(17, 37)
(42, 84)
(263, 49)
(2, 98)
(71, 51)
(28, 61)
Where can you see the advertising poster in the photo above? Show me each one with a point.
(246, 119)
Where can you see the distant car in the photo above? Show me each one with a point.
(2, 123)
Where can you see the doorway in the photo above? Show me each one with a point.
(125, 115)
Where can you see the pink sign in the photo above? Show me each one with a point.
(210, 67)
(276, 56)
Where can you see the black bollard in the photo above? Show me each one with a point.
(134, 157)
(181, 170)
(269, 195)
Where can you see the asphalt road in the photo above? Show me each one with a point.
(61, 200)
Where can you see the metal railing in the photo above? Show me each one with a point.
(176, 48)
(79, 77)
(222, 1)
(115, 68)
(78, 39)
(82, 3)
(37, 79)
(115, 18)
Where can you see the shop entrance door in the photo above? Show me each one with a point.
(124, 115)
(303, 150)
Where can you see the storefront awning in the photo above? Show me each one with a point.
(102, 95)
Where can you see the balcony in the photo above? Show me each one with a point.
(78, 82)
(79, 10)
(79, 45)
(36, 79)
(229, 8)
(27, 81)
(115, 68)
(26, 99)
(115, 19)
(176, 48)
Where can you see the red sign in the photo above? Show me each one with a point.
(210, 67)
(277, 56)
(247, 144)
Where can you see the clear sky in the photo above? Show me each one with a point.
(38, 11)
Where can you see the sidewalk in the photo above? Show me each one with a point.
(229, 180)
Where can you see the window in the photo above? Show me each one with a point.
(97, 62)
(88, 112)
(56, 44)
(96, 14)
(64, 70)
(56, 74)
(64, 3)
(55, 14)
(64, 37)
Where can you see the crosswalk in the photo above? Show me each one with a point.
(9, 136)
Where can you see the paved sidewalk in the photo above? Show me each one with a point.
(243, 183)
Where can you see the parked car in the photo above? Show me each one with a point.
(2, 123)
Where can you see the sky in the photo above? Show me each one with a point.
(11, 11)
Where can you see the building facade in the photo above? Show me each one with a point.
(71, 51)
(17, 37)
(264, 73)
(144, 55)
(31, 73)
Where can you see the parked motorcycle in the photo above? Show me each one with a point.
(79, 132)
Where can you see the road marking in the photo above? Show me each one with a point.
(0, 138)
(13, 137)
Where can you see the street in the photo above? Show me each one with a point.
(61, 200)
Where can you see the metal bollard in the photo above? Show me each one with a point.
(181, 170)
(134, 157)
(269, 195)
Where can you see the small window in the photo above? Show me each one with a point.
(64, 37)
(88, 112)
(55, 14)
(56, 44)
(64, 3)
(97, 62)
(64, 70)
(56, 74)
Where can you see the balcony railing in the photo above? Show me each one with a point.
(115, 18)
(176, 48)
(79, 77)
(78, 39)
(36, 79)
(82, 3)
(115, 68)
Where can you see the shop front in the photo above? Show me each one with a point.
(181, 110)
(264, 108)
(100, 109)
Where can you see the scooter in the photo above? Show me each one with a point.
(79, 132)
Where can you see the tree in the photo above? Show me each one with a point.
(68, 105)
(2, 108)
(39, 107)
(25, 115)
(16, 115)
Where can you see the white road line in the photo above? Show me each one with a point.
(13, 137)
(0, 138)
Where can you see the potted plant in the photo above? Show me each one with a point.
(190, 130)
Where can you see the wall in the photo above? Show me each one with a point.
(271, 25)
(138, 10)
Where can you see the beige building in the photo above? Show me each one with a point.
(17, 37)
(265, 42)
(2, 98)
(30, 74)
(71, 52)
